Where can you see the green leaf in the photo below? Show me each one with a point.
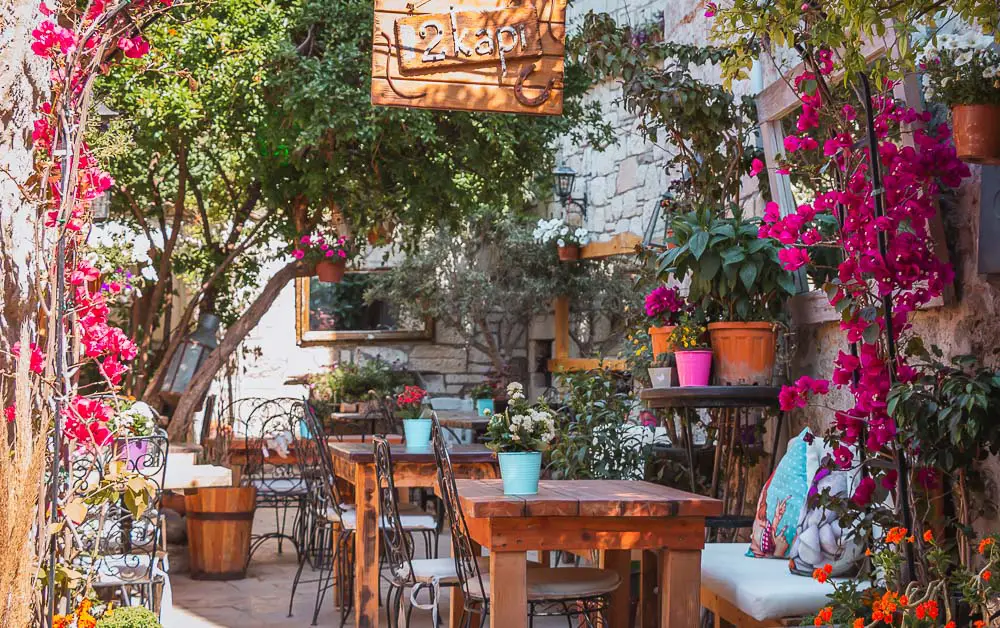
(698, 242)
(748, 273)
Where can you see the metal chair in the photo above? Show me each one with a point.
(571, 592)
(330, 546)
(272, 430)
(120, 550)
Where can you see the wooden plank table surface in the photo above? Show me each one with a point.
(462, 420)
(613, 516)
(355, 463)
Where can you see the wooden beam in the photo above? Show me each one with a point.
(567, 365)
(561, 323)
(626, 243)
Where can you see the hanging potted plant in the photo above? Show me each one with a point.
(691, 353)
(738, 279)
(664, 307)
(519, 435)
(568, 239)
(329, 253)
(132, 421)
(963, 71)
(416, 427)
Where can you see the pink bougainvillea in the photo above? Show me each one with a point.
(914, 173)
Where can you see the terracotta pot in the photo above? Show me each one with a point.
(744, 352)
(331, 272)
(569, 253)
(661, 339)
(977, 133)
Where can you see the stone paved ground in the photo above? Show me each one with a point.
(261, 600)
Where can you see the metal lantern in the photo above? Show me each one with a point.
(189, 357)
(100, 208)
(655, 234)
(565, 178)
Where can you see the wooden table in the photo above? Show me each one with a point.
(462, 420)
(237, 452)
(355, 463)
(613, 516)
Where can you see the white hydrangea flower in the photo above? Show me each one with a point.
(515, 391)
(962, 59)
(148, 273)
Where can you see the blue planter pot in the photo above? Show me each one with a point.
(482, 405)
(417, 433)
(520, 471)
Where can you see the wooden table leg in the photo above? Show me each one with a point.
(648, 594)
(619, 561)
(366, 542)
(680, 588)
(508, 589)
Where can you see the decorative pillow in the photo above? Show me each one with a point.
(783, 497)
(820, 540)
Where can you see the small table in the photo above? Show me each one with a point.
(613, 516)
(196, 476)
(355, 463)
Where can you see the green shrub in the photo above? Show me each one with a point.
(129, 617)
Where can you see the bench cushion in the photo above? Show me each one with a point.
(763, 589)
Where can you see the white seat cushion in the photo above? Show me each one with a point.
(760, 587)
(411, 522)
(568, 583)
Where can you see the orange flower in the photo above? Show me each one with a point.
(950, 624)
(978, 623)
(60, 621)
(984, 544)
(895, 535)
(987, 575)
(903, 600)
(859, 623)
(821, 575)
(928, 536)
(868, 552)
(927, 610)
(824, 616)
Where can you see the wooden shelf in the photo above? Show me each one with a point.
(626, 243)
(711, 397)
(564, 365)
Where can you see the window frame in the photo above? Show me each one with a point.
(305, 337)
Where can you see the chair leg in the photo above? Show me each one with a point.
(295, 582)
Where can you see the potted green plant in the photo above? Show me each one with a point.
(567, 238)
(691, 353)
(737, 278)
(482, 395)
(416, 427)
(128, 617)
(131, 421)
(328, 252)
(663, 371)
(519, 435)
(963, 71)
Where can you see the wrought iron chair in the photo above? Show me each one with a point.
(123, 551)
(406, 572)
(272, 430)
(571, 592)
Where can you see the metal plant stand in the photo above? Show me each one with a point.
(735, 412)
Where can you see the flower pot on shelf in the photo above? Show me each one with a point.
(520, 471)
(660, 336)
(482, 405)
(569, 253)
(693, 367)
(661, 377)
(417, 433)
(331, 272)
(976, 130)
(744, 352)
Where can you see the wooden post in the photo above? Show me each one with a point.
(680, 588)
(508, 589)
(366, 541)
(619, 561)
(561, 327)
(648, 595)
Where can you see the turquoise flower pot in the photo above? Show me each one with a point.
(482, 405)
(417, 433)
(520, 471)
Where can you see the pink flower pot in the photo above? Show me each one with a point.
(693, 367)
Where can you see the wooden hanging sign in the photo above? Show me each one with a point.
(481, 55)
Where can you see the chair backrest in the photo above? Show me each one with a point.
(398, 546)
(118, 544)
(466, 563)
(273, 430)
(323, 485)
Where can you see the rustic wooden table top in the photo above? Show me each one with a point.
(711, 397)
(584, 498)
(462, 419)
(364, 453)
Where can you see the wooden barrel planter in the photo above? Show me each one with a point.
(219, 523)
